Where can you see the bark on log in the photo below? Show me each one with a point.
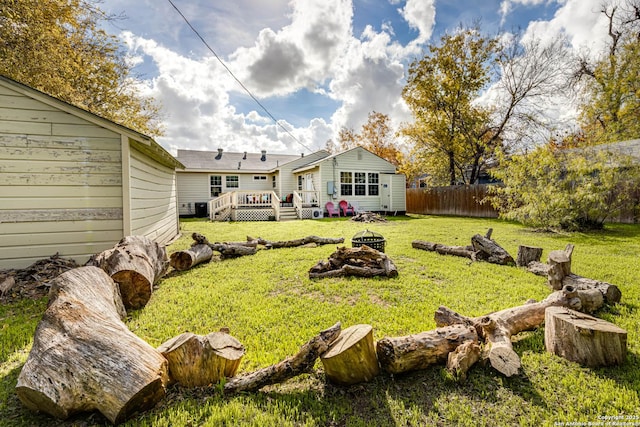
(196, 361)
(527, 255)
(611, 293)
(351, 359)
(584, 339)
(196, 254)
(462, 359)
(301, 363)
(412, 352)
(362, 261)
(559, 267)
(490, 251)
(228, 249)
(461, 251)
(538, 268)
(136, 263)
(294, 243)
(497, 328)
(84, 358)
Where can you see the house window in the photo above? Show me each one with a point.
(300, 183)
(374, 183)
(260, 177)
(273, 181)
(346, 183)
(232, 181)
(216, 185)
(359, 184)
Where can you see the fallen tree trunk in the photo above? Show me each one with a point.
(361, 261)
(229, 249)
(294, 243)
(462, 359)
(461, 251)
(136, 263)
(84, 358)
(301, 363)
(496, 329)
(488, 250)
(188, 258)
(196, 361)
(418, 351)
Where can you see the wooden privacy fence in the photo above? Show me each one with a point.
(464, 200)
(459, 200)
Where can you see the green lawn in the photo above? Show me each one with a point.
(271, 306)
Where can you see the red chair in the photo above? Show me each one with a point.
(331, 210)
(345, 208)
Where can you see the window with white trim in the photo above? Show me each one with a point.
(215, 183)
(232, 181)
(359, 184)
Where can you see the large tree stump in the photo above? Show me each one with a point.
(496, 329)
(136, 263)
(412, 352)
(301, 363)
(84, 357)
(527, 255)
(196, 361)
(351, 359)
(584, 339)
(196, 254)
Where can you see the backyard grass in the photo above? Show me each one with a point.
(270, 305)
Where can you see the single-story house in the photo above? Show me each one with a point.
(261, 186)
(74, 183)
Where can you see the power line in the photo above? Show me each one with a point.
(237, 79)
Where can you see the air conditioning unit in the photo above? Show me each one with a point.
(317, 213)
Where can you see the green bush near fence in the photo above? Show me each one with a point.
(269, 304)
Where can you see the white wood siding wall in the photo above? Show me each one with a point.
(357, 160)
(153, 199)
(193, 187)
(60, 183)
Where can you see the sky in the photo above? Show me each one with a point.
(315, 66)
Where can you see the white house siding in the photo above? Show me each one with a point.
(60, 183)
(287, 181)
(153, 199)
(356, 160)
(193, 187)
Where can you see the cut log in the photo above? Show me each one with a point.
(412, 352)
(361, 261)
(527, 255)
(295, 243)
(584, 339)
(538, 268)
(611, 293)
(490, 251)
(84, 358)
(196, 361)
(351, 359)
(196, 254)
(497, 328)
(136, 263)
(462, 359)
(301, 363)
(461, 251)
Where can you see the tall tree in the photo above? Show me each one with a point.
(454, 134)
(609, 84)
(57, 47)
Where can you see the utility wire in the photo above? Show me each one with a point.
(236, 79)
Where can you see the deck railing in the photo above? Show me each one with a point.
(245, 200)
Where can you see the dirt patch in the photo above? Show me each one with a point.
(34, 281)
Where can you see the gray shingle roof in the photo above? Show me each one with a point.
(227, 161)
